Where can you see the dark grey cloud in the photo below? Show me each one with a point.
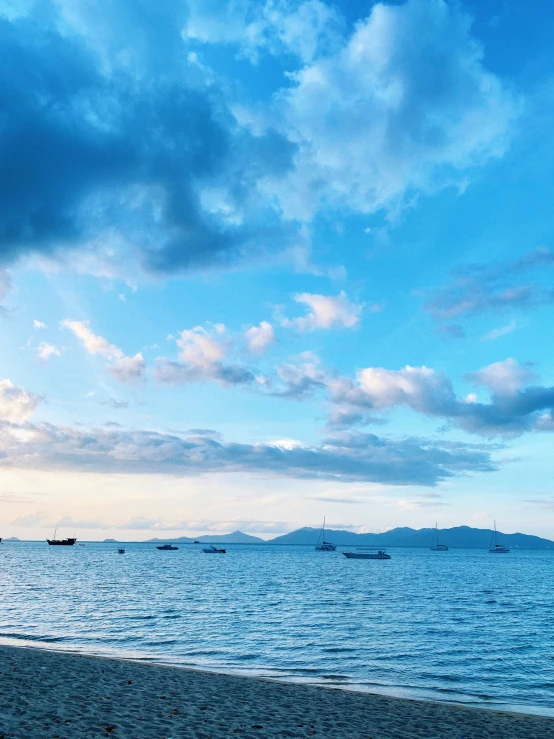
(346, 457)
(122, 136)
(493, 288)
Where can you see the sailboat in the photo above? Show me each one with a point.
(438, 547)
(325, 546)
(498, 548)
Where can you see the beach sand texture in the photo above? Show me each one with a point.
(49, 694)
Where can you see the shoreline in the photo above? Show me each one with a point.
(395, 692)
(46, 692)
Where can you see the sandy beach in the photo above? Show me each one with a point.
(52, 694)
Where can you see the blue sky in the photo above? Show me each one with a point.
(267, 262)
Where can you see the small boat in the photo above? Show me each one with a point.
(167, 548)
(213, 550)
(497, 548)
(322, 545)
(379, 554)
(120, 550)
(69, 542)
(196, 541)
(438, 547)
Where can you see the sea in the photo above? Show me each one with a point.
(462, 626)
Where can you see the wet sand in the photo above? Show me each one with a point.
(52, 694)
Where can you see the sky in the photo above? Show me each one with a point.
(265, 262)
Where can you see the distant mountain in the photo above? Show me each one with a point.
(236, 537)
(110, 541)
(11, 538)
(460, 536)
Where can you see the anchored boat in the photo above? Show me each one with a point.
(379, 554)
(69, 542)
(438, 547)
(167, 548)
(497, 548)
(213, 550)
(322, 545)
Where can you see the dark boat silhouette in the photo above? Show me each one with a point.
(69, 542)
(168, 548)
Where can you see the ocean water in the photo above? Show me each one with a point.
(460, 626)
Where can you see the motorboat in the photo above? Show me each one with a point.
(167, 548)
(438, 547)
(213, 550)
(69, 542)
(120, 550)
(496, 548)
(322, 545)
(196, 541)
(379, 554)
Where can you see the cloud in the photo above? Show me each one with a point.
(497, 333)
(201, 355)
(121, 143)
(38, 324)
(305, 29)
(116, 139)
(16, 404)
(502, 378)
(6, 283)
(260, 337)
(498, 287)
(325, 312)
(45, 351)
(404, 105)
(302, 378)
(128, 370)
(43, 519)
(515, 405)
(346, 457)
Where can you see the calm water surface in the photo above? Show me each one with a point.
(460, 626)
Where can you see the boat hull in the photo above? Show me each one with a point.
(61, 542)
(364, 555)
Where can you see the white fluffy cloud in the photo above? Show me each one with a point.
(503, 378)
(16, 404)
(325, 311)
(515, 406)
(404, 105)
(122, 368)
(201, 359)
(45, 351)
(200, 349)
(260, 337)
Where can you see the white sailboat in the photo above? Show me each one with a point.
(497, 548)
(324, 546)
(438, 547)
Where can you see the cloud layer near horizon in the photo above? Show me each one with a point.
(345, 457)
